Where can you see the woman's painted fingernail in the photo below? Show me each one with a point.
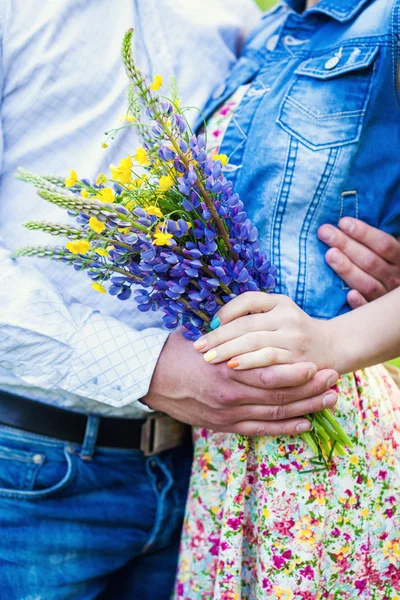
(210, 355)
(331, 381)
(329, 400)
(303, 427)
(233, 364)
(200, 344)
(215, 323)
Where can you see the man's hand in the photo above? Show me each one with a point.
(267, 401)
(367, 259)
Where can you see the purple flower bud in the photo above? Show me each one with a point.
(191, 177)
(179, 123)
(166, 153)
(179, 166)
(201, 142)
(183, 146)
(167, 107)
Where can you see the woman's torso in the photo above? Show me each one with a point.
(316, 136)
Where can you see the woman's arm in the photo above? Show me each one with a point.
(258, 329)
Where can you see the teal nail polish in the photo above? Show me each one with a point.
(215, 323)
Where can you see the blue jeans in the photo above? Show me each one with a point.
(84, 522)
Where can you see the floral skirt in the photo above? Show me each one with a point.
(260, 525)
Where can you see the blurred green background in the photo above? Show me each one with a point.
(264, 5)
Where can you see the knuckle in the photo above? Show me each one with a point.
(259, 430)
(277, 412)
(268, 377)
(385, 246)
(394, 281)
(281, 398)
(370, 262)
(372, 288)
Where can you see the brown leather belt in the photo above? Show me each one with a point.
(156, 433)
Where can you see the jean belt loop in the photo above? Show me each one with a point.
(90, 439)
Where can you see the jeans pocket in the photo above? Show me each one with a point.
(30, 470)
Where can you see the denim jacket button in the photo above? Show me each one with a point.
(219, 91)
(332, 62)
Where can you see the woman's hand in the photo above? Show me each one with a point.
(258, 330)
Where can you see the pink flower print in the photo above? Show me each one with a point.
(335, 532)
(307, 573)
(226, 109)
(217, 133)
(267, 585)
(382, 475)
(361, 584)
(235, 522)
(389, 513)
(278, 561)
(284, 527)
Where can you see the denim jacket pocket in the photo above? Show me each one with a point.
(326, 104)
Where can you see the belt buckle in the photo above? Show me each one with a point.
(161, 432)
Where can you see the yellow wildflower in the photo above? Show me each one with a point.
(85, 194)
(391, 551)
(141, 156)
(101, 179)
(106, 195)
(104, 145)
(104, 251)
(96, 225)
(222, 158)
(162, 238)
(153, 210)
(78, 246)
(122, 173)
(157, 83)
(99, 288)
(283, 594)
(72, 179)
(127, 117)
(166, 182)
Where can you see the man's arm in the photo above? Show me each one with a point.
(49, 341)
(367, 259)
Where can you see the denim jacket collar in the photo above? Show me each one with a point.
(340, 10)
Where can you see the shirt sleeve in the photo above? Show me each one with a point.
(54, 343)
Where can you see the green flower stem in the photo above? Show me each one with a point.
(337, 427)
(198, 313)
(306, 437)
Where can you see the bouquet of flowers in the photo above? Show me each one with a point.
(174, 236)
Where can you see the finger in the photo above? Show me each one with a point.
(265, 357)
(327, 399)
(276, 376)
(355, 278)
(361, 256)
(280, 428)
(378, 241)
(245, 304)
(355, 299)
(280, 396)
(248, 343)
(232, 330)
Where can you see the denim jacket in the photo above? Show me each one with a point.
(317, 135)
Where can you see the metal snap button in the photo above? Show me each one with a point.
(272, 42)
(219, 91)
(37, 459)
(332, 62)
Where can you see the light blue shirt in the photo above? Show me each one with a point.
(63, 85)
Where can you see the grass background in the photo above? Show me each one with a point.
(264, 5)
